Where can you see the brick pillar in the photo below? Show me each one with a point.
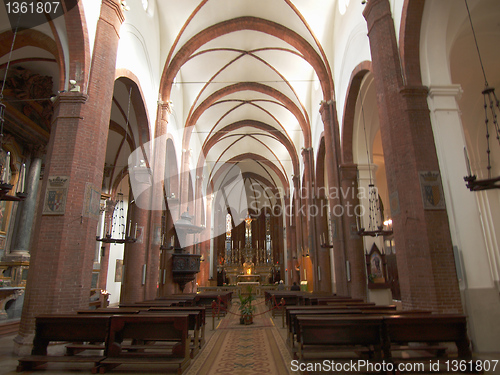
(108, 217)
(332, 157)
(298, 240)
(424, 256)
(63, 253)
(353, 242)
(204, 275)
(134, 255)
(310, 211)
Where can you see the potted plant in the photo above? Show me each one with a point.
(246, 308)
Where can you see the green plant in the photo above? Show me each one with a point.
(371, 278)
(246, 308)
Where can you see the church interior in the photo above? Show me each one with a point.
(220, 152)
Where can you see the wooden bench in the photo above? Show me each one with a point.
(196, 321)
(82, 329)
(292, 323)
(426, 329)
(320, 311)
(144, 332)
(359, 334)
(194, 325)
(202, 311)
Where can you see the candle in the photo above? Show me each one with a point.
(21, 180)
(467, 163)
(135, 232)
(129, 225)
(105, 229)
(6, 169)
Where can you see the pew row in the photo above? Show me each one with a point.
(119, 339)
(381, 336)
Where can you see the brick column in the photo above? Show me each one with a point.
(104, 254)
(332, 157)
(62, 258)
(298, 240)
(310, 210)
(353, 242)
(134, 255)
(424, 256)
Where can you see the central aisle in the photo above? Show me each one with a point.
(243, 350)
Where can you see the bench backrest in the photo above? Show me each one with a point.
(342, 330)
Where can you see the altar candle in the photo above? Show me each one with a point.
(129, 225)
(7, 169)
(467, 163)
(135, 232)
(22, 178)
(105, 229)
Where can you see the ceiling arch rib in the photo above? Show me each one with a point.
(280, 78)
(210, 142)
(279, 127)
(246, 23)
(248, 86)
(240, 139)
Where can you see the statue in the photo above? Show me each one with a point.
(248, 231)
(248, 266)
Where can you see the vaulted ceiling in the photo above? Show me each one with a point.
(244, 78)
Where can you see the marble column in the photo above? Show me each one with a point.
(27, 209)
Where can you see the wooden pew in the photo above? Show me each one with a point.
(292, 322)
(194, 325)
(353, 333)
(202, 311)
(196, 321)
(320, 311)
(144, 332)
(71, 328)
(206, 299)
(427, 329)
(112, 310)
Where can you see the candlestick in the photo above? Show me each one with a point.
(5, 177)
(135, 232)
(22, 177)
(129, 225)
(467, 162)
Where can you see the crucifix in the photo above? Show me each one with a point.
(248, 231)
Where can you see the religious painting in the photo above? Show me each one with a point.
(432, 190)
(119, 271)
(92, 201)
(139, 234)
(376, 265)
(55, 196)
(157, 239)
(3, 216)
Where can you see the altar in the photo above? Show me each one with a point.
(250, 263)
(248, 278)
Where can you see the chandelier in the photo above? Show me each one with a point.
(117, 232)
(491, 112)
(375, 215)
